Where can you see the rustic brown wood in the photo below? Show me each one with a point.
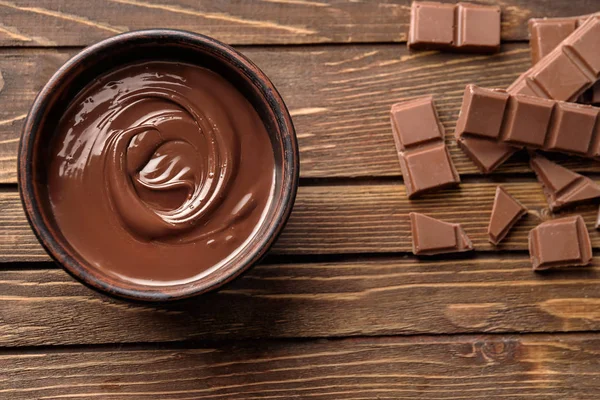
(352, 219)
(78, 23)
(464, 367)
(339, 97)
(401, 295)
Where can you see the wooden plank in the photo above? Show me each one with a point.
(464, 367)
(351, 219)
(339, 96)
(395, 296)
(79, 23)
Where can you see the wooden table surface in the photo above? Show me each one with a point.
(340, 309)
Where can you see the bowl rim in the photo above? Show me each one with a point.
(290, 172)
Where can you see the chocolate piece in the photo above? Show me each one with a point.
(505, 214)
(432, 236)
(419, 137)
(486, 154)
(560, 243)
(564, 74)
(532, 122)
(562, 186)
(460, 27)
(160, 172)
(547, 33)
(568, 70)
(480, 118)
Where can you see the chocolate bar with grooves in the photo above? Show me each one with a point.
(461, 27)
(571, 68)
(568, 70)
(419, 138)
(531, 122)
(545, 34)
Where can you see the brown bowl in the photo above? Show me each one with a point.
(157, 44)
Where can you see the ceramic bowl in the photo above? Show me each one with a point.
(156, 44)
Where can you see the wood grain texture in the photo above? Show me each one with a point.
(79, 23)
(352, 219)
(394, 296)
(432, 368)
(339, 97)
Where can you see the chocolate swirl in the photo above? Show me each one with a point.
(202, 162)
(155, 151)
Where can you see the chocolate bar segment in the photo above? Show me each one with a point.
(562, 186)
(563, 74)
(486, 154)
(457, 27)
(573, 129)
(505, 214)
(568, 70)
(545, 34)
(560, 243)
(526, 121)
(432, 236)
(483, 112)
(532, 122)
(419, 137)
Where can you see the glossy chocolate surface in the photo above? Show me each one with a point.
(159, 172)
(431, 236)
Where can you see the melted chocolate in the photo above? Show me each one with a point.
(160, 172)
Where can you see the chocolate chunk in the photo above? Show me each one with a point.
(532, 122)
(568, 70)
(419, 137)
(526, 121)
(505, 214)
(547, 33)
(482, 112)
(560, 243)
(460, 27)
(591, 96)
(564, 74)
(432, 236)
(562, 186)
